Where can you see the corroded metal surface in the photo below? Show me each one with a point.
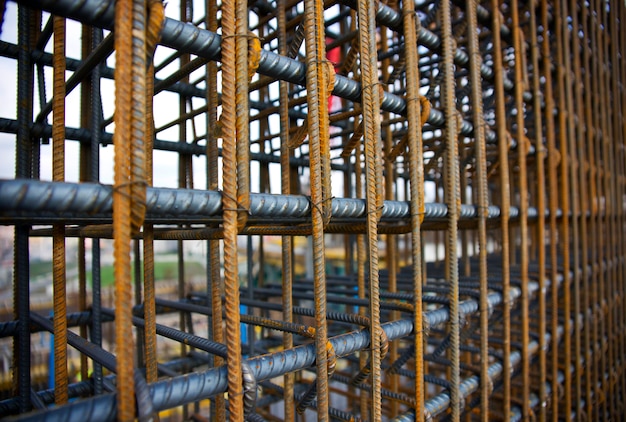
(404, 210)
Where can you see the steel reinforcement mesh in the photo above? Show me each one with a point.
(297, 210)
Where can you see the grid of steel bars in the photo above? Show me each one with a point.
(444, 183)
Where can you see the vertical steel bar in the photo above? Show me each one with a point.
(129, 182)
(580, 193)
(58, 241)
(230, 206)
(242, 111)
(564, 201)
(522, 151)
(84, 175)
(540, 202)
(607, 336)
(599, 257)
(23, 169)
(185, 173)
(96, 305)
(505, 201)
(601, 159)
(96, 119)
(286, 241)
(452, 202)
(138, 295)
(416, 175)
(590, 336)
(621, 158)
(570, 252)
(372, 142)
(613, 88)
(390, 240)
(361, 265)
(316, 86)
(214, 281)
(156, 12)
(480, 185)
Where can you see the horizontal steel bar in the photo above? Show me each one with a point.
(39, 201)
(44, 130)
(440, 403)
(195, 386)
(85, 388)
(187, 89)
(83, 345)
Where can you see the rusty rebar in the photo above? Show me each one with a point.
(58, 170)
(453, 132)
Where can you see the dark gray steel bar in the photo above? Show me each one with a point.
(195, 386)
(44, 130)
(40, 201)
(440, 403)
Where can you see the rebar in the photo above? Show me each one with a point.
(349, 210)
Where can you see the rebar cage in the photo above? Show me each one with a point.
(404, 210)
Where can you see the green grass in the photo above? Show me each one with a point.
(39, 268)
(162, 271)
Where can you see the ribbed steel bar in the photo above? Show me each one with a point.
(589, 165)
(187, 388)
(579, 195)
(606, 283)
(620, 158)
(452, 198)
(564, 198)
(285, 188)
(597, 193)
(442, 402)
(505, 201)
(416, 174)
(373, 188)
(58, 247)
(230, 204)
(540, 201)
(522, 185)
(482, 198)
(22, 199)
(474, 109)
(317, 77)
(23, 167)
(84, 175)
